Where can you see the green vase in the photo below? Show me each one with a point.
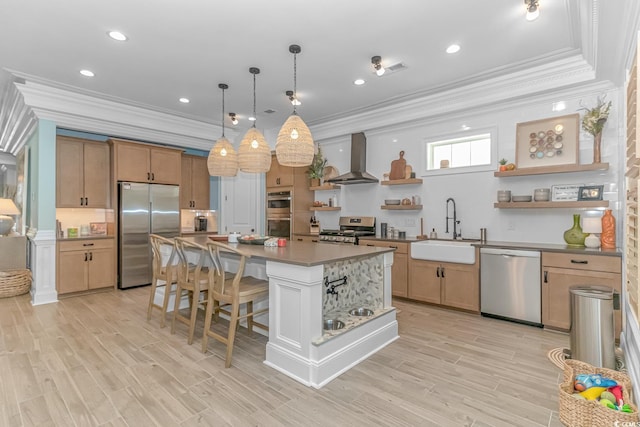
(574, 236)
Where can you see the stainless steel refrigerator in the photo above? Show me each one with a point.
(143, 209)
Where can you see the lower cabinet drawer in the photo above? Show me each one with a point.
(609, 264)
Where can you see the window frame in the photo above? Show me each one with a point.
(493, 135)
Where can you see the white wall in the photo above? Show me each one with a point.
(475, 193)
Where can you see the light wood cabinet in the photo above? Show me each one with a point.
(85, 265)
(82, 173)
(284, 178)
(450, 284)
(399, 269)
(194, 186)
(280, 176)
(146, 163)
(561, 271)
(302, 238)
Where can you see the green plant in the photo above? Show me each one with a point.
(594, 118)
(316, 169)
(503, 161)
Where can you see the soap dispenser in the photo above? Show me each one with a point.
(433, 234)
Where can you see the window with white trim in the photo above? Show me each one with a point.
(467, 151)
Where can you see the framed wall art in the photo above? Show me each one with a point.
(590, 192)
(98, 228)
(548, 142)
(565, 193)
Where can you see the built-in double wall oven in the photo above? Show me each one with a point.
(279, 214)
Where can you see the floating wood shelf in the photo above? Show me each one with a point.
(402, 207)
(402, 181)
(569, 205)
(324, 208)
(325, 187)
(541, 170)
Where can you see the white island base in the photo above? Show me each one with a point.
(298, 346)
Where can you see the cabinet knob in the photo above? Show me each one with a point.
(438, 272)
(153, 176)
(85, 257)
(546, 279)
(90, 256)
(86, 201)
(148, 176)
(442, 272)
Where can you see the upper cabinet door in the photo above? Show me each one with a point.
(82, 173)
(96, 174)
(200, 183)
(186, 200)
(194, 187)
(279, 176)
(133, 162)
(165, 166)
(69, 173)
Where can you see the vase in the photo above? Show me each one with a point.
(574, 236)
(597, 139)
(608, 236)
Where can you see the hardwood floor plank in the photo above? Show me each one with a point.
(35, 413)
(95, 360)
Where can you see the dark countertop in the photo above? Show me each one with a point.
(101, 236)
(547, 247)
(305, 254)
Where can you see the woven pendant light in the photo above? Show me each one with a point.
(254, 153)
(223, 159)
(294, 145)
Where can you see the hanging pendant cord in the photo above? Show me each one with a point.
(295, 72)
(223, 113)
(255, 118)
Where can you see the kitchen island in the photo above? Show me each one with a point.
(307, 286)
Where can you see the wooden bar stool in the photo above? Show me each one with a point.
(193, 277)
(226, 294)
(165, 270)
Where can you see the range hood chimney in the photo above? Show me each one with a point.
(358, 173)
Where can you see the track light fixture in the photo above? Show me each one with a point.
(292, 98)
(377, 64)
(234, 119)
(533, 9)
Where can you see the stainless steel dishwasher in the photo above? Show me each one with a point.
(510, 285)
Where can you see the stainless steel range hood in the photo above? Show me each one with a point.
(358, 173)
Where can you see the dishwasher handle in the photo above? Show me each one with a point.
(509, 252)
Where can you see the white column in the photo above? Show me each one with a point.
(42, 261)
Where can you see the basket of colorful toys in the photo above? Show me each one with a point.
(591, 396)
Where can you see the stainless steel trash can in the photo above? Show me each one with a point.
(592, 331)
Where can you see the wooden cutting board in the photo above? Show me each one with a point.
(398, 168)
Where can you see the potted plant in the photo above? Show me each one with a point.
(316, 169)
(503, 165)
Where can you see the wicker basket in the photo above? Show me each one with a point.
(589, 413)
(14, 282)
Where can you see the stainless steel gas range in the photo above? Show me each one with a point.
(351, 228)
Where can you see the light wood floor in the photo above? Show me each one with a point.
(95, 360)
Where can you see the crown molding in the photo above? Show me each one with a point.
(86, 113)
(521, 85)
(17, 121)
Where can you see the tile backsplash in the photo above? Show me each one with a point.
(75, 218)
(187, 217)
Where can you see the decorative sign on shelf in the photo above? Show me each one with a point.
(547, 142)
(565, 193)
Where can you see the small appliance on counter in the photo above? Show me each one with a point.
(200, 223)
(314, 226)
(233, 237)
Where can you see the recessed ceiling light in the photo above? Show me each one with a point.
(465, 127)
(184, 100)
(453, 48)
(117, 35)
(358, 82)
(87, 73)
(253, 119)
(558, 106)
